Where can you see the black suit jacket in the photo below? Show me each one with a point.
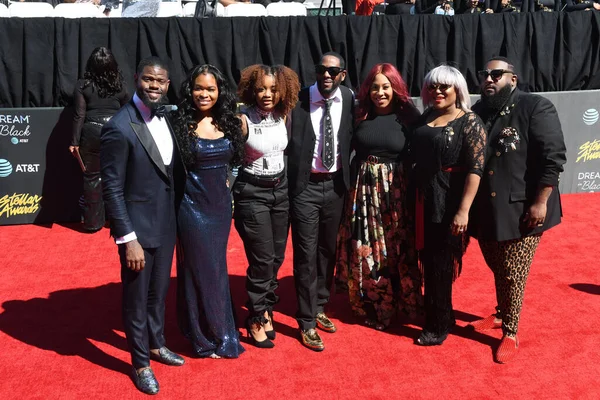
(302, 142)
(137, 190)
(511, 179)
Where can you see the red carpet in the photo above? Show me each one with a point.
(61, 333)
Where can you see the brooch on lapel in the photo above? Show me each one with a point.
(506, 110)
(448, 133)
(508, 139)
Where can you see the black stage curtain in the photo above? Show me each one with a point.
(41, 58)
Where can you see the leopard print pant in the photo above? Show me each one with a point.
(510, 261)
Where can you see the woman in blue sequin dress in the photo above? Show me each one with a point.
(210, 140)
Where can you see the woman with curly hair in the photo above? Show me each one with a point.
(261, 189)
(376, 251)
(97, 97)
(210, 140)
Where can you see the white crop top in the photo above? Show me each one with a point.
(267, 139)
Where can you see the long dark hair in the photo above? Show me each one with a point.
(102, 73)
(223, 114)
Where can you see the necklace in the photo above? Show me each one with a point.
(262, 113)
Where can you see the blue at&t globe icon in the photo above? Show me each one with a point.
(14, 140)
(591, 116)
(5, 168)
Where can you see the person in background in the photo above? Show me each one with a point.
(582, 5)
(97, 97)
(260, 191)
(377, 258)
(140, 8)
(448, 149)
(396, 7)
(518, 199)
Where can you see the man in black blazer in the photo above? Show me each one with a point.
(141, 170)
(318, 174)
(518, 196)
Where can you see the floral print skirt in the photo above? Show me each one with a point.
(377, 259)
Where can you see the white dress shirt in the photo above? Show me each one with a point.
(317, 110)
(162, 137)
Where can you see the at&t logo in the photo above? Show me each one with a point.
(5, 168)
(591, 116)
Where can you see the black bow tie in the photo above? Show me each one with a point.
(159, 112)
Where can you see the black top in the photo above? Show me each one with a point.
(88, 105)
(382, 136)
(443, 156)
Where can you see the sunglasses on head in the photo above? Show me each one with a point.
(496, 74)
(333, 71)
(433, 87)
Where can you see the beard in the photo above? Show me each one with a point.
(325, 92)
(498, 100)
(152, 104)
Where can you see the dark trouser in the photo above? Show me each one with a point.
(438, 260)
(262, 220)
(144, 295)
(93, 209)
(510, 261)
(315, 215)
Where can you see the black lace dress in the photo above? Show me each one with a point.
(443, 157)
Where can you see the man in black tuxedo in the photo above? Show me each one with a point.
(518, 196)
(318, 174)
(142, 178)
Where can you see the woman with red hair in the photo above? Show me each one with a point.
(376, 250)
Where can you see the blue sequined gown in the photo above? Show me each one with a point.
(204, 307)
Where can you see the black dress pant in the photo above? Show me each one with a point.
(144, 295)
(93, 208)
(439, 269)
(315, 216)
(262, 220)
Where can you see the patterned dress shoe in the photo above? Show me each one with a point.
(311, 339)
(145, 381)
(166, 356)
(509, 346)
(491, 322)
(325, 323)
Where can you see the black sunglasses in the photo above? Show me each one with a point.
(433, 87)
(496, 74)
(333, 71)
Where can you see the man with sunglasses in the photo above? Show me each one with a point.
(518, 197)
(318, 174)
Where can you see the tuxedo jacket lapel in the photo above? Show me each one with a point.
(305, 103)
(145, 137)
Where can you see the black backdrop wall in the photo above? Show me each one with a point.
(41, 58)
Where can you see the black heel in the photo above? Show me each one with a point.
(271, 334)
(265, 344)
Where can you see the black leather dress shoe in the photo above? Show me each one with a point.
(166, 356)
(324, 323)
(311, 339)
(145, 381)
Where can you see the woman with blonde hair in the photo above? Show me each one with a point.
(448, 149)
